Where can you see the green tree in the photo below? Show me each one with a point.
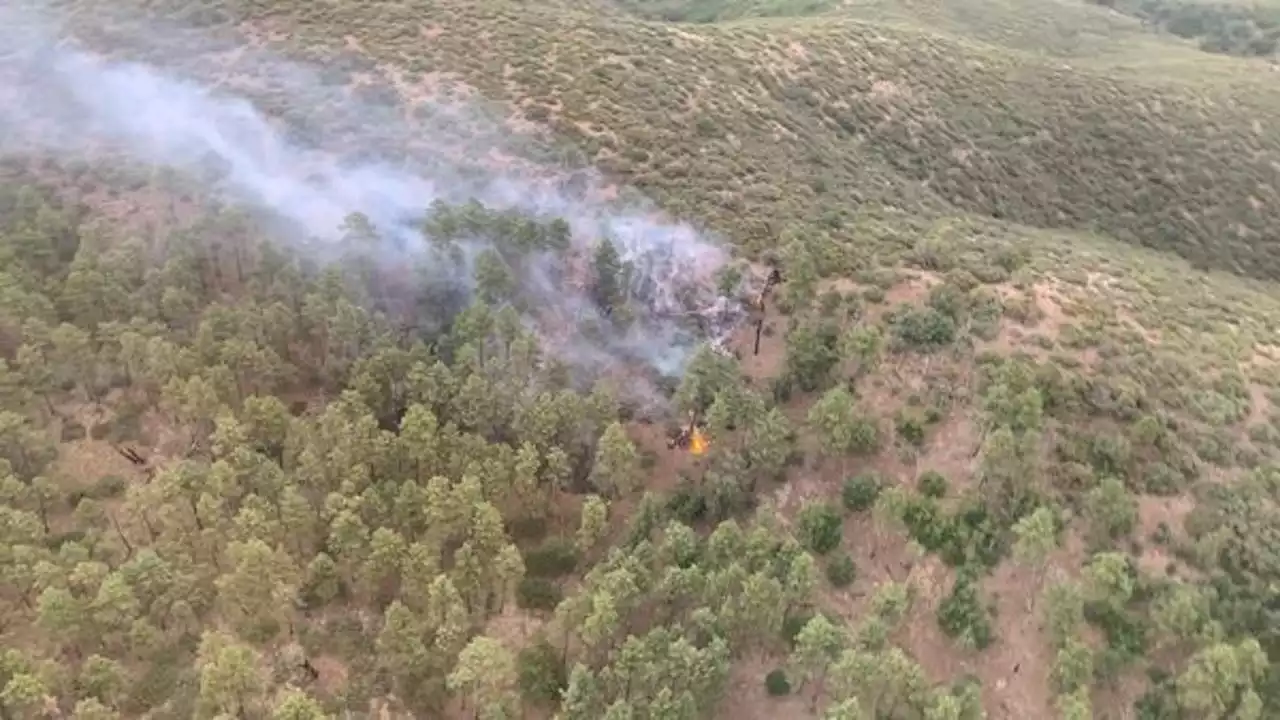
(811, 354)
(1063, 611)
(617, 463)
(607, 270)
(1075, 705)
(401, 651)
(1109, 579)
(769, 444)
(1182, 614)
(835, 418)
(22, 694)
(297, 705)
(493, 277)
(1036, 536)
(1220, 679)
(820, 527)
(93, 709)
(229, 680)
(486, 674)
(1111, 510)
(256, 593)
(1073, 666)
(817, 646)
(593, 524)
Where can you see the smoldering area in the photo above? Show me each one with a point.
(292, 142)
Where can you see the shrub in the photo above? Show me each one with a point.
(535, 593)
(1126, 633)
(1160, 479)
(910, 427)
(860, 492)
(841, 571)
(72, 430)
(542, 674)
(932, 484)
(554, 558)
(108, 486)
(793, 624)
(777, 684)
(821, 527)
(687, 503)
(527, 527)
(962, 616)
(922, 328)
(866, 436)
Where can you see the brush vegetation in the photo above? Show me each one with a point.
(1009, 448)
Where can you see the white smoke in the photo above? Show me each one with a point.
(58, 98)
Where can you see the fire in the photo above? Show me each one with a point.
(697, 442)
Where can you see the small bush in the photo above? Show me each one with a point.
(910, 427)
(821, 527)
(792, 625)
(932, 484)
(536, 593)
(962, 616)
(108, 486)
(542, 674)
(1126, 633)
(841, 571)
(777, 684)
(554, 558)
(54, 541)
(72, 431)
(527, 527)
(922, 328)
(687, 503)
(860, 492)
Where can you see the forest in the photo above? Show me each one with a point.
(321, 486)
(970, 457)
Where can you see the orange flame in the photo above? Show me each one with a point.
(697, 442)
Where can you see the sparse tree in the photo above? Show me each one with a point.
(616, 467)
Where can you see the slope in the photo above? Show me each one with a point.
(1011, 442)
(764, 125)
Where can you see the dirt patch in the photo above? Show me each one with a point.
(1014, 669)
(669, 464)
(81, 463)
(1259, 404)
(512, 627)
(771, 360)
(952, 451)
(912, 291)
(166, 440)
(1163, 516)
(885, 89)
(331, 674)
(746, 698)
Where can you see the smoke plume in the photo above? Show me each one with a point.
(294, 141)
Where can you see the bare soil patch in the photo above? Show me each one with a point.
(1155, 513)
(745, 697)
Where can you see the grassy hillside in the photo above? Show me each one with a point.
(1008, 448)
(757, 126)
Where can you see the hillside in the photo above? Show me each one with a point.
(364, 405)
